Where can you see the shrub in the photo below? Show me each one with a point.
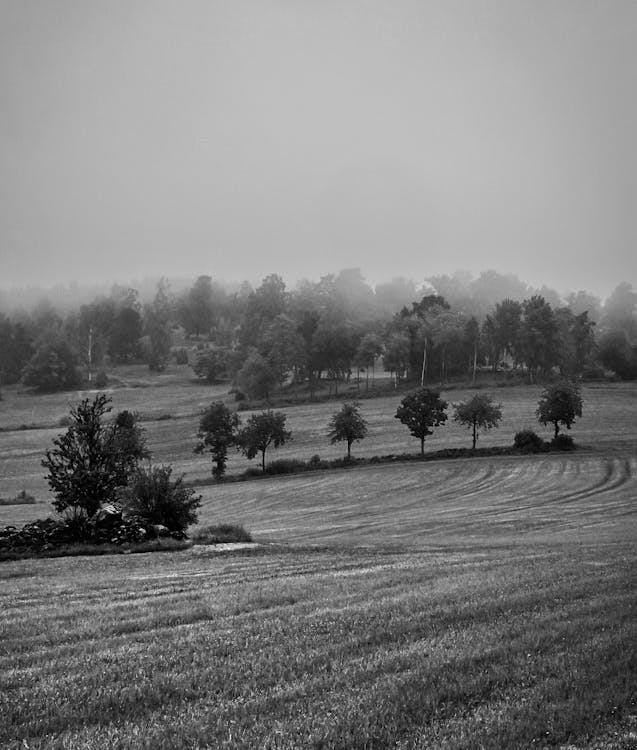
(563, 443)
(528, 441)
(156, 499)
(221, 534)
(22, 498)
(286, 466)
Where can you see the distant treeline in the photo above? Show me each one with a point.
(271, 337)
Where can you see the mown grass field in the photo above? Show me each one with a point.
(479, 603)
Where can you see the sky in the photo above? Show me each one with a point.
(141, 138)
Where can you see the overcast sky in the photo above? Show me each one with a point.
(141, 138)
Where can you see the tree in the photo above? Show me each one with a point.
(420, 411)
(369, 348)
(157, 499)
(93, 458)
(211, 364)
(53, 367)
(479, 412)
(347, 424)
(218, 429)
(538, 342)
(256, 377)
(559, 404)
(156, 323)
(125, 334)
(261, 431)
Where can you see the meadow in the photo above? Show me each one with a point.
(476, 603)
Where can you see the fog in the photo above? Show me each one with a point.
(247, 138)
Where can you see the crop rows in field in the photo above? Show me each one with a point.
(327, 648)
(466, 501)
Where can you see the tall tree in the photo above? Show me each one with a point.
(560, 403)
(420, 411)
(538, 342)
(478, 413)
(218, 430)
(347, 425)
(262, 431)
(92, 459)
(157, 326)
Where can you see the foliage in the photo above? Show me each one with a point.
(563, 443)
(157, 326)
(53, 367)
(529, 441)
(211, 364)
(538, 342)
(22, 498)
(218, 429)
(479, 412)
(154, 497)
(618, 354)
(93, 458)
(347, 425)
(420, 411)
(224, 533)
(256, 377)
(126, 332)
(261, 431)
(560, 403)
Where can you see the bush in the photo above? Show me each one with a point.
(157, 500)
(528, 441)
(221, 534)
(286, 466)
(563, 443)
(22, 498)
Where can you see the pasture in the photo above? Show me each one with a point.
(478, 603)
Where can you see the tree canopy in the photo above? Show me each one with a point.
(478, 413)
(560, 403)
(218, 429)
(260, 432)
(347, 425)
(420, 411)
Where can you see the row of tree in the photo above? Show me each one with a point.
(422, 410)
(268, 337)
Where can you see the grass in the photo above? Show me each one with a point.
(317, 648)
(474, 603)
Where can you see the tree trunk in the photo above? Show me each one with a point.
(422, 446)
(263, 461)
(557, 429)
(475, 437)
(423, 373)
(349, 449)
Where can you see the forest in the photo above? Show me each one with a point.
(270, 337)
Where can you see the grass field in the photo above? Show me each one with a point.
(480, 603)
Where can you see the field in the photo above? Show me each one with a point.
(479, 603)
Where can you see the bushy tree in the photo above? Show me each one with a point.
(560, 403)
(211, 364)
(260, 432)
(218, 429)
(93, 458)
(478, 413)
(53, 367)
(155, 498)
(256, 377)
(347, 425)
(420, 411)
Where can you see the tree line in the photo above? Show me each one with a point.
(422, 410)
(269, 338)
